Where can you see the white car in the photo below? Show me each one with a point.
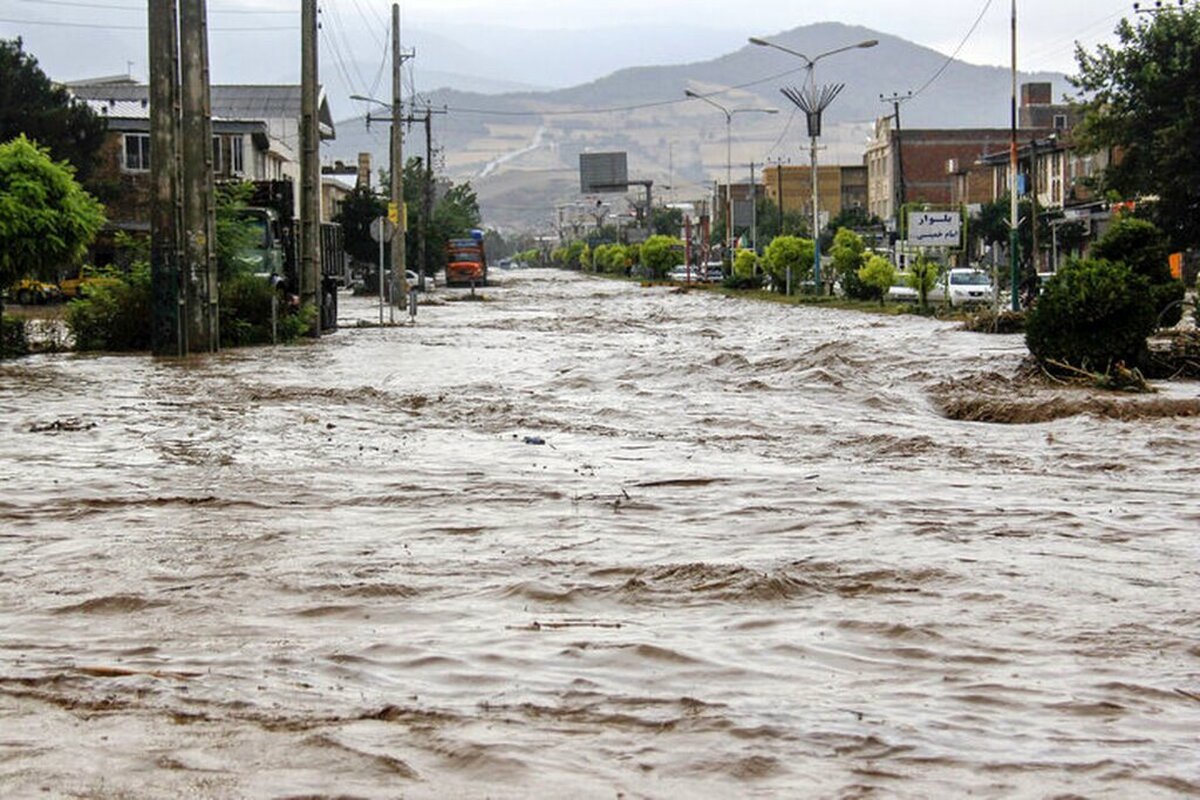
(966, 287)
(900, 291)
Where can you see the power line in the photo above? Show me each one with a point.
(957, 50)
(141, 9)
(96, 26)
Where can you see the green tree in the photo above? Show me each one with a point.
(922, 276)
(235, 234)
(360, 208)
(849, 255)
(1142, 247)
(1142, 103)
(786, 253)
(878, 274)
(660, 253)
(666, 221)
(45, 113)
(46, 219)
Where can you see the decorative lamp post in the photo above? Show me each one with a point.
(813, 103)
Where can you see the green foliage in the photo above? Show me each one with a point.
(660, 253)
(849, 253)
(745, 264)
(666, 221)
(877, 275)
(116, 314)
(46, 113)
(246, 313)
(359, 209)
(13, 339)
(1144, 248)
(922, 276)
(1090, 315)
(585, 257)
(46, 219)
(235, 234)
(786, 252)
(1142, 102)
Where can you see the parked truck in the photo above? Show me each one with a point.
(276, 250)
(466, 262)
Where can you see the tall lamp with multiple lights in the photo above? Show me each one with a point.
(813, 102)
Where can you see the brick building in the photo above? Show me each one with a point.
(942, 166)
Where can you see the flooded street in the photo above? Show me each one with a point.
(750, 559)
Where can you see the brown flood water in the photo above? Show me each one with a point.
(750, 560)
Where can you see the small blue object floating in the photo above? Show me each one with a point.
(534, 440)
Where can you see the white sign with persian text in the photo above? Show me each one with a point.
(934, 228)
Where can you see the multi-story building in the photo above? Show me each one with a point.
(256, 136)
(789, 187)
(941, 166)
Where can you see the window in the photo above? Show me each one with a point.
(236, 154)
(137, 152)
(217, 161)
(1060, 121)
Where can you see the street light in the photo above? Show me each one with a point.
(729, 112)
(813, 105)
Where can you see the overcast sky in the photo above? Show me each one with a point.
(1046, 30)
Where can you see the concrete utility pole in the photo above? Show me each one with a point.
(896, 100)
(168, 331)
(399, 282)
(1014, 240)
(310, 166)
(199, 211)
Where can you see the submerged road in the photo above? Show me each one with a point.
(747, 559)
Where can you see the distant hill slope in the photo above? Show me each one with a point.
(676, 141)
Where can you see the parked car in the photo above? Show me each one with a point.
(28, 292)
(965, 287)
(680, 272)
(900, 291)
(83, 283)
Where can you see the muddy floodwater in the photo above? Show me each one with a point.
(589, 540)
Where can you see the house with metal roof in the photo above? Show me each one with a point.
(256, 137)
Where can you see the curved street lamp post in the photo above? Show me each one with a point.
(729, 112)
(813, 103)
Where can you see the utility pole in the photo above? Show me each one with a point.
(896, 100)
(399, 281)
(753, 212)
(1014, 240)
(310, 167)
(168, 331)
(199, 213)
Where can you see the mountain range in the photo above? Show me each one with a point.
(520, 149)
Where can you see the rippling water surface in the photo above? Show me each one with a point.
(749, 560)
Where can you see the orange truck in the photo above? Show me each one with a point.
(466, 263)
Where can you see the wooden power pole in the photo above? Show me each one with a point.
(399, 282)
(168, 332)
(199, 212)
(310, 165)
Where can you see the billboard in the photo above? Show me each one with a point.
(934, 228)
(603, 172)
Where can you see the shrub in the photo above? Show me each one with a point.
(745, 263)
(738, 281)
(923, 277)
(13, 338)
(246, 313)
(877, 275)
(1090, 315)
(789, 252)
(116, 313)
(659, 253)
(1145, 249)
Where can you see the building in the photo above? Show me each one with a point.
(940, 166)
(839, 188)
(256, 136)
